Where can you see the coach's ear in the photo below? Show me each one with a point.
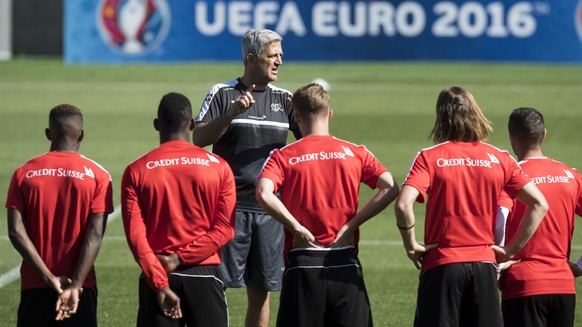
(47, 132)
(81, 136)
(192, 124)
(330, 114)
(249, 58)
(157, 124)
(545, 134)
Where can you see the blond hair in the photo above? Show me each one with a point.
(311, 99)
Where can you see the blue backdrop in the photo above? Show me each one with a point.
(186, 30)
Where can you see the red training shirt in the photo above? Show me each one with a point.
(318, 178)
(56, 193)
(463, 181)
(177, 198)
(544, 267)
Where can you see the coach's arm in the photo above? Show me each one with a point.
(208, 133)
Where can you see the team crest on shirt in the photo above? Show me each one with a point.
(212, 158)
(348, 151)
(89, 172)
(276, 107)
(493, 158)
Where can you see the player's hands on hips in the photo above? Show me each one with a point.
(169, 303)
(417, 251)
(244, 101)
(501, 254)
(503, 266)
(345, 237)
(68, 302)
(169, 262)
(304, 239)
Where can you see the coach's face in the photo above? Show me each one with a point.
(268, 63)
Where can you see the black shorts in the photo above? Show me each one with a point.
(254, 257)
(37, 308)
(201, 294)
(458, 294)
(324, 288)
(556, 310)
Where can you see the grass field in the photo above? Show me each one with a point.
(387, 106)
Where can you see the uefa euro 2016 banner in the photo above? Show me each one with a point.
(185, 30)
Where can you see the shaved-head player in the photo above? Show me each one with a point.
(57, 207)
(178, 211)
(539, 290)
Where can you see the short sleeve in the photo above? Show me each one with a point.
(516, 178)
(371, 169)
(212, 106)
(273, 170)
(505, 200)
(14, 198)
(103, 196)
(419, 176)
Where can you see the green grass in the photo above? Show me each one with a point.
(387, 106)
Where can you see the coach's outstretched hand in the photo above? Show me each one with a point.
(244, 101)
(169, 303)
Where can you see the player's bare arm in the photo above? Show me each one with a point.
(303, 238)
(405, 221)
(68, 300)
(387, 191)
(22, 243)
(535, 212)
(208, 133)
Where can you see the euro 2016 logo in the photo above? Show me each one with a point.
(133, 27)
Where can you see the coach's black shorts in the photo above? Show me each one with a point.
(556, 310)
(254, 257)
(324, 288)
(458, 294)
(201, 294)
(37, 308)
